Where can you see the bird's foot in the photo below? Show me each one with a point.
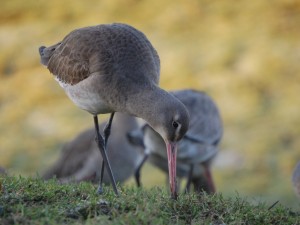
(100, 190)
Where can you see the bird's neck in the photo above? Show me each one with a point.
(149, 104)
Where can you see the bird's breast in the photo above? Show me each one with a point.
(87, 95)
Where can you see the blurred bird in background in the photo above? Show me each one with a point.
(296, 179)
(197, 148)
(79, 160)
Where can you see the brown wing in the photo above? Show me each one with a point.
(108, 50)
(68, 62)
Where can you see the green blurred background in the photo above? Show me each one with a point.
(245, 54)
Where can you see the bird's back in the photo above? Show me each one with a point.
(205, 119)
(205, 127)
(111, 50)
(73, 155)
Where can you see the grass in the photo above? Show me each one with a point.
(244, 54)
(34, 201)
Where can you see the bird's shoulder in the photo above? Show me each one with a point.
(103, 49)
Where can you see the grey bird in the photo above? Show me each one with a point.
(114, 68)
(296, 179)
(198, 146)
(79, 160)
(2, 171)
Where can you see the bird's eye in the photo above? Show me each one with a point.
(175, 124)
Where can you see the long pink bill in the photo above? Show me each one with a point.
(172, 154)
(209, 179)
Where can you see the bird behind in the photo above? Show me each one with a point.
(79, 160)
(198, 146)
(296, 179)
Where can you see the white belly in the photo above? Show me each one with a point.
(85, 95)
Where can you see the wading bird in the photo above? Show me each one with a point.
(114, 68)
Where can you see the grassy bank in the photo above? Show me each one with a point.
(34, 201)
(244, 54)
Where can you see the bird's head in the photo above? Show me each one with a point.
(172, 124)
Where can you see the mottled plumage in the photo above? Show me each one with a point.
(114, 68)
(104, 50)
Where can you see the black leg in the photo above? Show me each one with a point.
(106, 135)
(189, 181)
(100, 189)
(137, 173)
(108, 128)
(101, 146)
